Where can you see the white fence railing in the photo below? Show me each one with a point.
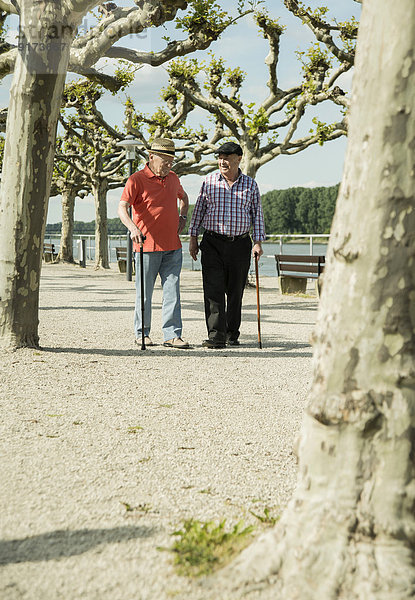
(297, 238)
(113, 241)
(276, 244)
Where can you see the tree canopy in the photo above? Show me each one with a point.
(203, 22)
(272, 127)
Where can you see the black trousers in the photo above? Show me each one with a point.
(225, 267)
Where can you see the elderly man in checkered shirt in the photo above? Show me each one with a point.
(228, 206)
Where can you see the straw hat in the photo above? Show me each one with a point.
(163, 146)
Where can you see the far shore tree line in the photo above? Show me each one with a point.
(288, 211)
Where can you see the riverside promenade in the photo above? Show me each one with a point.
(106, 449)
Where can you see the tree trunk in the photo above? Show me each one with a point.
(68, 207)
(349, 530)
(249, 164)
(35, 99)
(99, 190)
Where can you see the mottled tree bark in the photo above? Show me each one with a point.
(249, 164)
(349, 530)
(68, 208)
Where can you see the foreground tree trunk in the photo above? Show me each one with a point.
(68, 208)
(349, 530)
(35, 100)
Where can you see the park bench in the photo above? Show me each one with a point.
(294, 270)
(121, 252)
(49, 252)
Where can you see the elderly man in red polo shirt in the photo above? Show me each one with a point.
(154, 194)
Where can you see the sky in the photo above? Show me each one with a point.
(240, 45)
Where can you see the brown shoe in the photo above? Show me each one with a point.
(176, 343)
(214, 344)
(147, 341)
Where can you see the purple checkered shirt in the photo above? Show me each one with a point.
(229, 210)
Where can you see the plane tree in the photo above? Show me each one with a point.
(69, 183)
(274, 127)
(89, 149)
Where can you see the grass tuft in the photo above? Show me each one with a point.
(266, 518)
(134, 429)
(201, 548)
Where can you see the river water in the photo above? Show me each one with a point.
(266, 263)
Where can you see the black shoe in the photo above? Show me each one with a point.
(233, 343)
(213, 344)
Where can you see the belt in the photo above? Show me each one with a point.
(227, 238)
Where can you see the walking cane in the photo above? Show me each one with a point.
(143, 346)
(257, 299)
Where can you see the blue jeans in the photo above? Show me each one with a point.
(168, 265)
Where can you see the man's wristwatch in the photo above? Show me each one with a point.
(183, 217)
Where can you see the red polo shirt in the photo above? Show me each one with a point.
(154, 208)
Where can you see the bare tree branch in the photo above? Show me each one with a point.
(272, 32)
(107, 81)
(8, 7)
(321, 30)
(198, 40)
(7, 61)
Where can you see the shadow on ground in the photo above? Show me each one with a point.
(269, 350)
(61, 543)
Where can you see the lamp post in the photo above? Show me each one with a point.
(129, 144)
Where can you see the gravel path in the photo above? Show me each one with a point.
(107, 449)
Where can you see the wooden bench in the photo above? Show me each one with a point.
(293, 270)
(49, 252)
(121, 252)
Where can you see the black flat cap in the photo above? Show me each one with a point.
(229, 148)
